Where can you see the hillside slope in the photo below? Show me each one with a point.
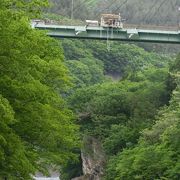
(163, 12)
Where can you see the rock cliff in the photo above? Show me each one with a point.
(93, 159)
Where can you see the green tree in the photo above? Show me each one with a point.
(86, 71)
(14, 159)
(33, 78)
(157, 154)
(122, 59)
(128, 103)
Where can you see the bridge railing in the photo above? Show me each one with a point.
(151, 27)
(126, 26)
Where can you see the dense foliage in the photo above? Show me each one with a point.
(120, 61)
(111, 109)
(36, 128)
(116, 113)
(124, 97)
(86, 71)
(157, 154)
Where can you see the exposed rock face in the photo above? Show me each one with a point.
(85, 177)
(93, 160)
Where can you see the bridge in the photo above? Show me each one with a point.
(133, 34)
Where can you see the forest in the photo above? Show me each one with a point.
(84, 110)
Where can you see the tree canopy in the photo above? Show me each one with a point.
(36, 126)
(157, 153)
(126, 98)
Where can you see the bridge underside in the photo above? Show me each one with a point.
(100, 33)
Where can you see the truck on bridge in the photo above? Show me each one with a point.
(111, 20)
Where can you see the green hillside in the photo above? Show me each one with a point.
(86, 108)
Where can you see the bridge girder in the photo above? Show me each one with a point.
(118, 34)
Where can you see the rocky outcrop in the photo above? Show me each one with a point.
(93, 160)
(85, 177)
